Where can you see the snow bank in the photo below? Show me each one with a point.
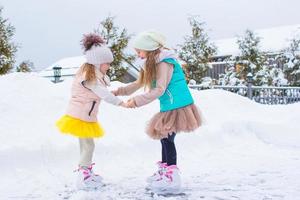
(30, 105)
(244, 149)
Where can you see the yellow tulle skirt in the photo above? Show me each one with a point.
(76, 127)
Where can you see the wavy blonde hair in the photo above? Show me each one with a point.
(148, 74)
(89, 72)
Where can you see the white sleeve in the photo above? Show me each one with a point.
(102, 92)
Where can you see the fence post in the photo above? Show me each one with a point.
(57, 74)
(249, 85)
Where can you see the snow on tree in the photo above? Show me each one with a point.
(196, 51)
(270, 76)
(7, 48)
(291, 59)
(231, 76)
(277, 77)
(117, 40)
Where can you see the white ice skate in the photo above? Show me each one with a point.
(96, 177)
(87, 180)
(157, 175)
(169, 183)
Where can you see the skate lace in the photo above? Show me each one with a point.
(169, 172)
(162, 165)
(161, 170)
(91, 166)
(86, 172)
(91, 169)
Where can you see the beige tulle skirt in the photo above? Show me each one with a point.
(184, 119)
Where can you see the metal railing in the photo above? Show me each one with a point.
(261, 94)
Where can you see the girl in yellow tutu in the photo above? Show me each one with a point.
(88, 89)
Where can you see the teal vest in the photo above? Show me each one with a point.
(177, 94)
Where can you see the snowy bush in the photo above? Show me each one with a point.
(291, 59)
(25, 66)
(251, 60)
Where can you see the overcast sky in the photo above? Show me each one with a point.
(50, 30)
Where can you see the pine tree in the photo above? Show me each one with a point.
(196, 51)
(25, 66)
(7, 48)
(117, 40)
(251, 59)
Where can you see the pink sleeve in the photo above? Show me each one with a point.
(128, 89)
(164, 73)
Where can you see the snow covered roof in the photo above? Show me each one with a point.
(69, 66)
(272, 40)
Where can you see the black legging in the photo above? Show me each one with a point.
(169, 154)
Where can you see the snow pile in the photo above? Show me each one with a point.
(244, 149)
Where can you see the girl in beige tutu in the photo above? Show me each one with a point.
(164, 79)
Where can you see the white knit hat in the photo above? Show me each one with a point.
(98, 55)
(149, 41)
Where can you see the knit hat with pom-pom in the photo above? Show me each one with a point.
(96, 52)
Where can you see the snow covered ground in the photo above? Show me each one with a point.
(244, 151)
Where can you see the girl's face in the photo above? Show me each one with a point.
(141, 54)
(104, 67)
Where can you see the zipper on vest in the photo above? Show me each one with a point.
(170, 96)
(92, 108)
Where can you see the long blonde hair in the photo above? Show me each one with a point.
(148, 74)
(88, 70)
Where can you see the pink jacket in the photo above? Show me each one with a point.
(86, 97)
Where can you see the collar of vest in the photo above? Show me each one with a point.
(103, 78)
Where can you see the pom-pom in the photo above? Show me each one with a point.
(90, 40)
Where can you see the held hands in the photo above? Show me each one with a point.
(129, 104)
(115, 92)
(123, 104)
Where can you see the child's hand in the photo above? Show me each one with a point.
(123, 104)
(131, 103)
(115, 92)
